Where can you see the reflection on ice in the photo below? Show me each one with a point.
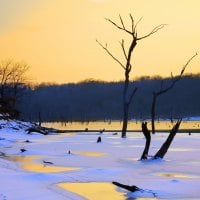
(17, 158)
(94, 191)
(27, 163)
(176, 175)
(141, 198)
(99, 191)
(41, 168)
(91, 153)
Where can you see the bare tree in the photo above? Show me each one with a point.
(6, 72)
(19, 77)
(164, 90)
(165, 146)
(12, 80)
(127, 66)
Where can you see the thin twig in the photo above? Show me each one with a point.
(122, 22)
(137, 23)
(119, 27)
(156, 29)
(110, 54)
(123, 49)
(132, 23)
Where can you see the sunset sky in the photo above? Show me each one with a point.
(57, 38)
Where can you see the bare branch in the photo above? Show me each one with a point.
(184, 67)
(174, 80)
(137, 23)
(110, 54)
(123, 48)
(132, 23)
(172, 76)
(156, 29)
(122, 22)
(119, 27)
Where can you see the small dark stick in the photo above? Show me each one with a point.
(23, 150)
(99, 139)
(47, 162)
(133, 188)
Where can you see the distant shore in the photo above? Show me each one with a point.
(118, 131)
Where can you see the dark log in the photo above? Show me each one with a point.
(47, 162)
(23, 150)
(147, 135)
(132, 188)
(37, 130)
(2, 154)
(164, 148)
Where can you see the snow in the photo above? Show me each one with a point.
(42, 171)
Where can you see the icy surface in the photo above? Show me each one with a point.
(177, 176)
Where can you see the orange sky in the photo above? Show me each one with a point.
(57, 37)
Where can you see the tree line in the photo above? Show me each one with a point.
(13, 81)
(98, 100)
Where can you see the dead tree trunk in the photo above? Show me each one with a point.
(164, 148)
(153, 113)
(126, 104)
(39, 119)
(163, 90)
(147, 135)
(125, 119)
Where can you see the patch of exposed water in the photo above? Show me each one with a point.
(41, 168)
(176, 175)
(94, 190)
(91, 153)
(99, 191)
(142, 198)
(29, 164)
(116, 125)
(22, 159)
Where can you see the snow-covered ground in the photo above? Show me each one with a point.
(48, 171)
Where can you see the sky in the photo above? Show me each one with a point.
(57, 38)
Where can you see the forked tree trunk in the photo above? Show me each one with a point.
(147, 135)
(164, 148)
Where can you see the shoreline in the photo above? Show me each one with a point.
(118, 131)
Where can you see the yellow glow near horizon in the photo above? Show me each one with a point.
(57, 38)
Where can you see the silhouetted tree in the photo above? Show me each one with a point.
(127, 66)
(163, 90)
(165, 146)
(12, 81)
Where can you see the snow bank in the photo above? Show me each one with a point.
(114, 159)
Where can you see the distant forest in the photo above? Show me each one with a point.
(97, 100)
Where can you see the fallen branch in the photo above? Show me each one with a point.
(132, 188)
(37, 130)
